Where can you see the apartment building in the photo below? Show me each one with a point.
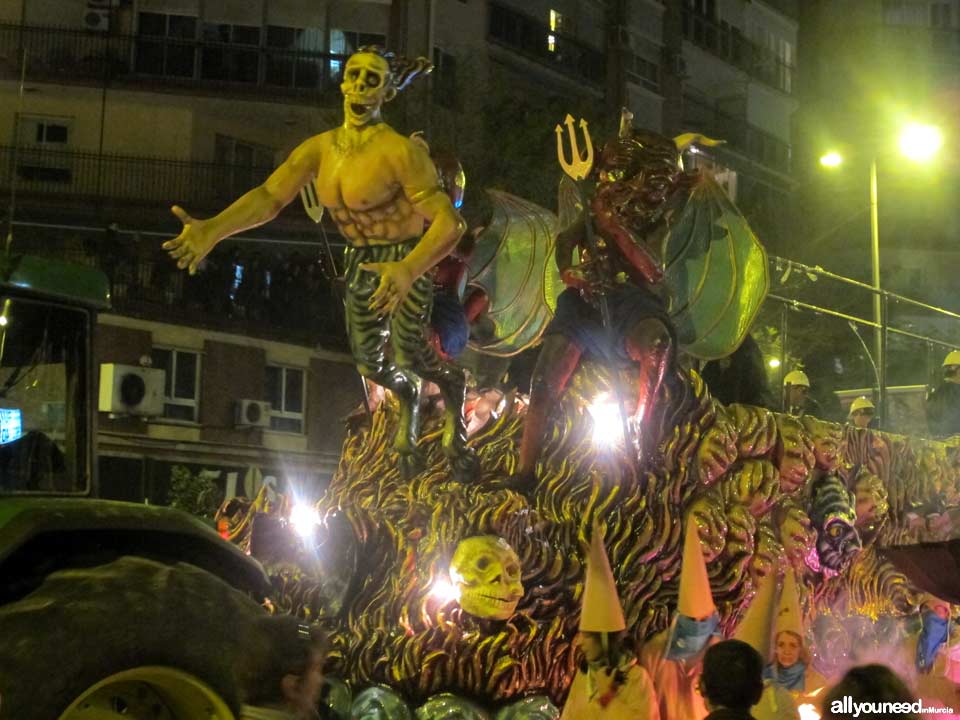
(112, 110)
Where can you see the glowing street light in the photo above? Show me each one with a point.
(831, 159)
(920, 142)
(774, 363)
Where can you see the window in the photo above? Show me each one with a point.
(559, 23)
(346, 42)
(225, 57)
(44, 140)
(285, 391)
(643, 62)
(243, 164)
(166, 44)
(941, 15)
(180, 390)
(444, 78)
(290, 60)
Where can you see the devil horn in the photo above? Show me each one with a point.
(687, 139)
(626, 123)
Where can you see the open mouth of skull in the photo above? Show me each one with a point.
(496, 599)
(361, 108)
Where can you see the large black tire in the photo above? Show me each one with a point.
(83, 625)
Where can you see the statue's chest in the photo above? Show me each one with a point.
(359, 180)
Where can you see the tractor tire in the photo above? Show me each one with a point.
(85, 625)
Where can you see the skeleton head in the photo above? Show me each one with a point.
(366, 87)
(486, 571)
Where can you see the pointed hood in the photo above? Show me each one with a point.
(601, 611)
(696, 598)
(788, 611)
(756, 626)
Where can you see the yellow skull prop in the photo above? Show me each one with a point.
(486, 571)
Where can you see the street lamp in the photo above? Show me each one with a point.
(920, 143)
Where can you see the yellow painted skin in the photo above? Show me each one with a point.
(381, 189)
(379, 186)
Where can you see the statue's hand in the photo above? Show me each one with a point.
(395, 282)
(193, 243)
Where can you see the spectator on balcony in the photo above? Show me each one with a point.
(250, 289)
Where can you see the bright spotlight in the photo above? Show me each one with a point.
(3, 321)
(808, 712)
(920, 142)
(831, 159)
(444, 590)
(304, 519)
(607, 424)
(774, 363)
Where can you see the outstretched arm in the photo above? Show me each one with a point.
(254, 208)
(417, 176)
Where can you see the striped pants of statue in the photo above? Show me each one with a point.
(392, 349)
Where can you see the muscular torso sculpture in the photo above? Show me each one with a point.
(381, 189)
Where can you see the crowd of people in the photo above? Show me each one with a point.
(257, 290)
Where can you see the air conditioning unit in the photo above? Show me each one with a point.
(253, 413)
(131, 390)
(95, 18)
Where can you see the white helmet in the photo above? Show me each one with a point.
(952, 358)
(796, 377)
(862, 403)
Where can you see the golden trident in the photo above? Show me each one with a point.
(579, 166)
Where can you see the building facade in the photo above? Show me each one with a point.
(112, 110)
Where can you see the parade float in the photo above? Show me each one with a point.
(449, 571)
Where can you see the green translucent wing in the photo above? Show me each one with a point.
(513, 263)
(569, 202)
(715, 273)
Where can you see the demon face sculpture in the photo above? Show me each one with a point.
(834, 517)
(486, 571)
(637, 174)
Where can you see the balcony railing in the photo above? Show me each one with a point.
(122, 178)
(266, 290)
(729, 44)
(535, 40)
(760, 146)
(60, 55)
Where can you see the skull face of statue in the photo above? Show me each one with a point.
(486, 571)
(365, 87)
